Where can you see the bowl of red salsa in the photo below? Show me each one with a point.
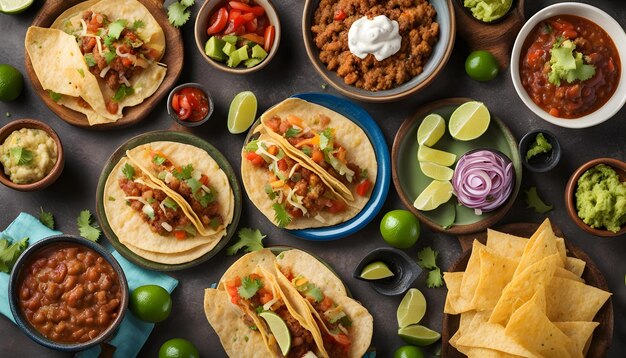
(68, 293)
(190, 104)
(567, 65)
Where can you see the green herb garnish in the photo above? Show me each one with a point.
(87, 230)
(249, 240)
(128, 171)
(90, 60)
(116, 28)
(567, 64)
(183, 173)
(249, 287)
(46, 218)
(292, 132)
(10, 252)
(170, 203)
(123, 92)
(280, 215)
(21, 155)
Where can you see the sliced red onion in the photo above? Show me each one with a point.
(483, 180)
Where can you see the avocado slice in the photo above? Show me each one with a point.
(251, 62)
(258, 52)
(228, 48)
(231, 39)
(243, 53)
(233, 59)
(213, 49)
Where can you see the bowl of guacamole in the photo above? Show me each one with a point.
(31, 155)
(596, 197)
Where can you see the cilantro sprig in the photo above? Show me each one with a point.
(21, 155)
(177, 12)
(87, 230)
(280, 215)
(249, 240)
(10, 252)
(128, 171)
(46, 218)
(533, 200)
(427, 260)
(249, 287)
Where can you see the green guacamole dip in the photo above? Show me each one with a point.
(488, 10)
(28, 155)
(601, 198)
(539, 146)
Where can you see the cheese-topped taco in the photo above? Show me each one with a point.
(345, 326)
(334, 146)
(288, 191)
(99, 57)
(245, 294)
(172, 221)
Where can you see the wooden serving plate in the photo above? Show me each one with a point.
(601, 339)
(497, 37)
(173, 58)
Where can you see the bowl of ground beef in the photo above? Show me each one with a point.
(426, 29)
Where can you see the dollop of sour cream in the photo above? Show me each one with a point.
(379, 36)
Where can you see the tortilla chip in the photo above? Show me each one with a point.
(495, 273)
(575, 265)
(560, 247)
(487, 353)
(579, 332)
(573, 301)
(471, 276)
(454, 302)
(563, 273)
(543, 245)
(464, 322)
(523, 287)
(506, 245)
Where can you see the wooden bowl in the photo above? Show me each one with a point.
(570, 194)
(56, 169)
(202, 23)
(173, 58)
(434, 65)
(601, 339)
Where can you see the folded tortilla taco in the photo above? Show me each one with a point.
(246, 292)
(99, 57)
(172, 221)
(345, 326)
(287, 190)
(333, 145)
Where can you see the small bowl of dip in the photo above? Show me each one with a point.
(31, 155)
(591, 187)
(190, 104)
(68, 293)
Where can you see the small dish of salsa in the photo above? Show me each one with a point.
(190, 104)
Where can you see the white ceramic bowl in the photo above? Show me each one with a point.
(612, 28)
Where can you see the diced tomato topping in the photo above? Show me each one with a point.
(265, 296)
(273, 150)
(269, 34)
(112, 107)
(219, 22)
(282, 165)
(256, 10)
(180, 234)
(326, 304)
(364, 187)
(317, 156)
(251, 27)
(126, 62)
(256, 159)
(340, 15)
(342, 340)
(204, 179)
(337, 206)
(295, 212)
(231, 288)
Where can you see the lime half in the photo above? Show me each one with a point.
(435, 194)
(418, 335)
(469, 121)
(412, 308)
(436, 171)
(242, 112)
(279, 330)
(426, 154)
(431, 130)
(375, 271)
(14, 6)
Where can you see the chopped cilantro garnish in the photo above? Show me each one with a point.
(253, 146)
(315, 293)
(138, 24)
(567, 64)
(270, 192)
(90, 60)
(307, 150)
(183, 173)
(158, 159)
(111, 198)
(206, 198)
(215, 223)
(21, 156)
(122, 93)
(55, 96)
(177, 14)
(250, 240)
(85, 227)
(109, 56)
(533, 200)
(434, 278)
(249, 287)
(170, 203)
(108, 42)
(116, 28)
(280, 215)
(292, 132)
(187, 3)
(363, 174)
(46, 218)
(427, 259)
(128, 171)
(193, 184)
(10, 253)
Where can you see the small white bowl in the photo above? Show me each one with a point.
(612, 28)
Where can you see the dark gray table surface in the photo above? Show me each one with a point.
(291, 72)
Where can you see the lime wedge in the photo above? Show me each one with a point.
(279, 330)
(469, 121)
(431, 130)
(375, 271)
(418, 335)
(242, 112)
(436, 171)
(435, 194)
(412, 308)
(14, 6)
(426, 154)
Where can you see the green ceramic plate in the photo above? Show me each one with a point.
(410, 181)
(171, 136)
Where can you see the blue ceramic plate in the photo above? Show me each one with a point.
(383, 177)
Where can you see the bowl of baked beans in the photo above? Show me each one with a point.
(567, 65)
(68, 293)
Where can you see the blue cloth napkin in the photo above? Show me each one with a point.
(132, 333)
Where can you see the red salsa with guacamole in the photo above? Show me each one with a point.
(569, 66)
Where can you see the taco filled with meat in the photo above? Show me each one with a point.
(287, 190)
(333, 145)
(171, 220)
(99, 57)
(246, 294)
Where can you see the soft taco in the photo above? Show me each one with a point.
(334, 146)
(344, 325)
(174, 220)
(99, 57)
(287, 190)
(235, 308)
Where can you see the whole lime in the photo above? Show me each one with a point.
(400, 228)
(481, 66)
(11, 82)
(151, 303)
(178, 348)
(408, 352)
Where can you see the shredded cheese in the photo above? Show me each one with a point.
(83, 31)
(104, 71)
(295, 200)
(293, 170)
(319, 218)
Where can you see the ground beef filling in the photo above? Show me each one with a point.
(301, 339)
(419, 31)
(309, 186)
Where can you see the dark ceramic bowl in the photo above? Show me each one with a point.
(544, 161)
(15, 280)
(56, 169)
(174, 116)
(405, 271)
(570, 194)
